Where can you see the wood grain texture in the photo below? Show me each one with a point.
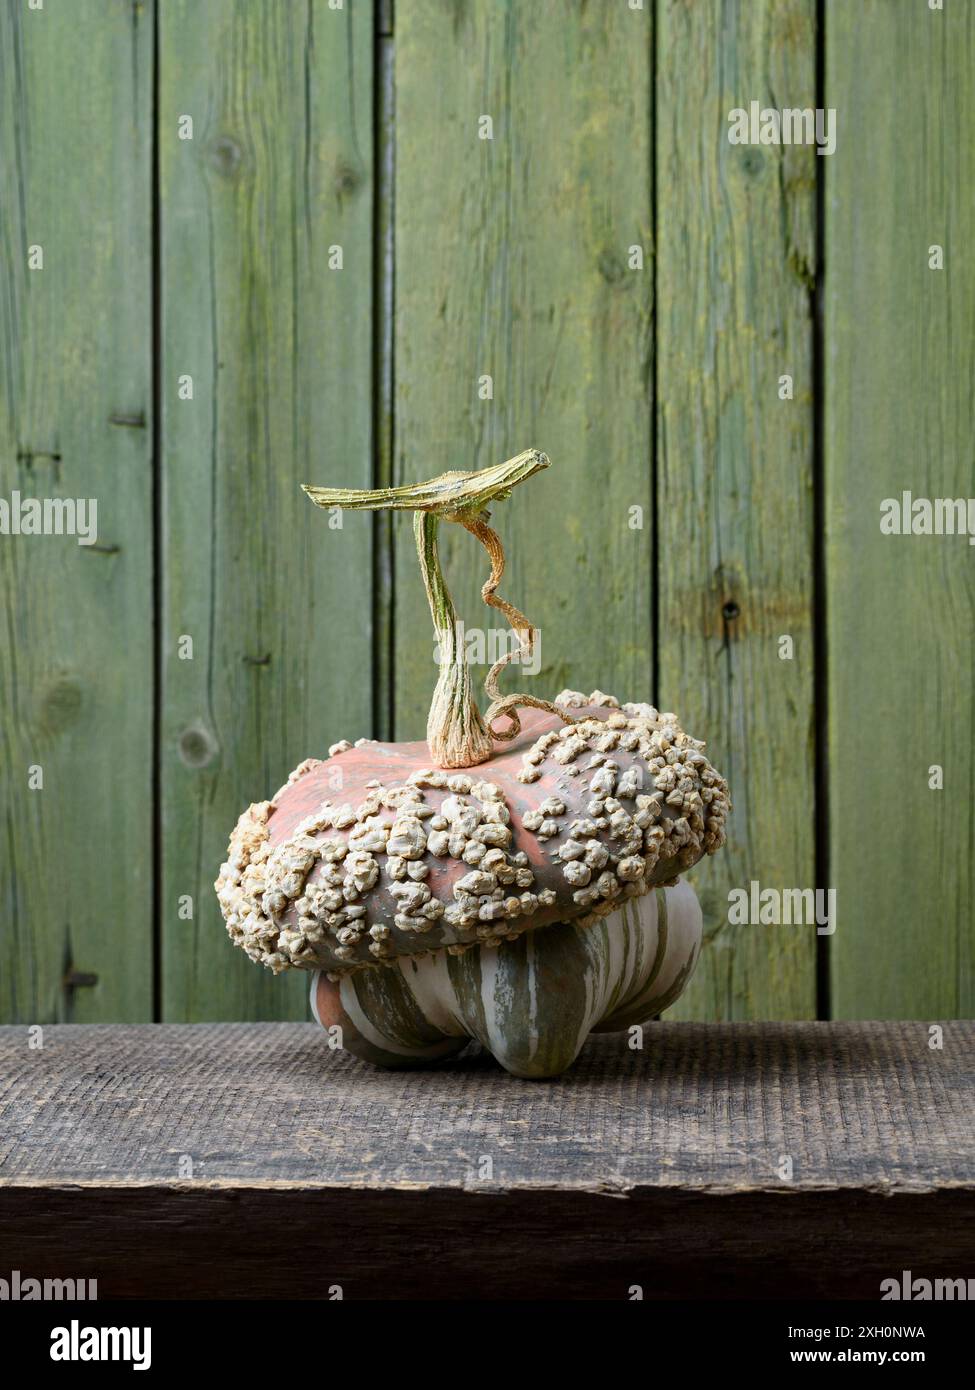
(713, 1106)
(736, 261)
(76, 627)
(658, 1167)
(512, 262)
(197, 1242)
(900, 365)
(279, 172)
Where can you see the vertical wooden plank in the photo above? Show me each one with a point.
(735, 548)
(512, 261)
(384, 222)
(900, 365)
(75, 407)
(278, 174)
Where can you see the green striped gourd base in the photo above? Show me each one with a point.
(531, 1002)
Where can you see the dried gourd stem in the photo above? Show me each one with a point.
(505, 706)
(456, 733)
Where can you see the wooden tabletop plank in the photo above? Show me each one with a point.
(653, 1174)
(702, 1107)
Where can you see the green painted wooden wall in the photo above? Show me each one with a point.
(276, 249)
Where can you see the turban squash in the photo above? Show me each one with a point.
(521, 895)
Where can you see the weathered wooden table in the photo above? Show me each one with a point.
(249, 1160)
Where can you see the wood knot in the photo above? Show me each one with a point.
(611, 268)
(346, 180)
(60, 704)
(225, 156)
(196, 747)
